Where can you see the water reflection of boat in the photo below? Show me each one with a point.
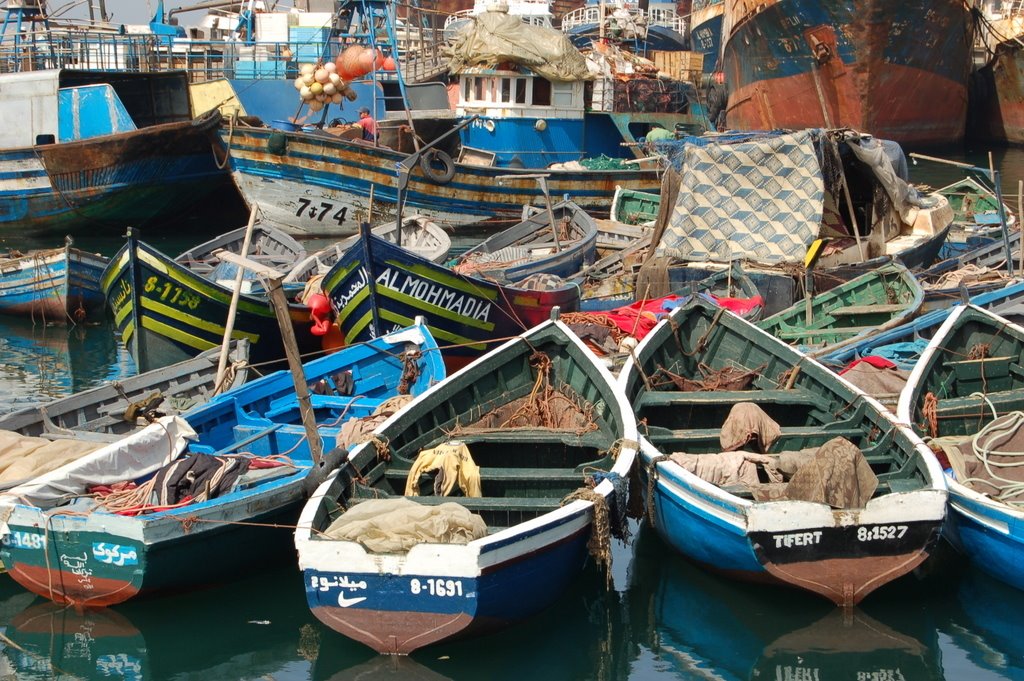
(584, 635)
(985, 626)
(228, 634)
(44, 362)
(702, 625)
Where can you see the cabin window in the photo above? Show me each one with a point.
(46, 139)
(541, 92)
(466, 88)
(561, 94)
(506, 90)
(520, 91)
(478, 89)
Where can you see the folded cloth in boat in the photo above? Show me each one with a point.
(728, 468)
(199, 477)
(23, 457)
(396, 525)
(453, 463)
(358, 430)
(838, 475)
(876, 380)
(747, 423)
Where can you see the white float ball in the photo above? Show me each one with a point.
(336, 80)
(330, 67)
(329, 89)
(299, 83)
(337, 98)
(316, 106)
(322, 76)
(305, 92)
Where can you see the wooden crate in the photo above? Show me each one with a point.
(679, 64)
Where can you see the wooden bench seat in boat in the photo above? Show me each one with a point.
(477, 504)
(671, 398)
(843, 330)
(569, 476)
(288, 403)
(1003, 402)
(853, 310)
(696, 435)
(539, 435)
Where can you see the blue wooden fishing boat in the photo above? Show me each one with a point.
(1007, 302)
(58, 285)
(376, 286)
(248, 449)
(966, 393)
(544, 442)
(101, 150)
(167, 310)
(559, 244)
(705, 382)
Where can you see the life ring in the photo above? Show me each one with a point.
(429, 162)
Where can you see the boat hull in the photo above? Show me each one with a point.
(843, 559)
(74, 564)
(850, 63)
(998, 97)
(59, 286)
(321, 186)
(402, 613)
(109, 182)
(991, 534)
(165, 313)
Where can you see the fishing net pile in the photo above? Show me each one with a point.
(990, 462)
(398, 524)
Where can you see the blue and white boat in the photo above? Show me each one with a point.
(156, 531)
(530, 495)
(58, 285)
(91, 150)
(640, 28)
(705, 382)
(967, 394)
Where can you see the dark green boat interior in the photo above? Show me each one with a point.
(524, 471)
(979, 368)
(848, 310)
(810, 405)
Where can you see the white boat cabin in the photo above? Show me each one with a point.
(518, 94)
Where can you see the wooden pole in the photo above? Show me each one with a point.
(229, 325)
(542, 180)
(279, 301)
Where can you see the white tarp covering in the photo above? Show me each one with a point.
(495, 37)
(132, 457)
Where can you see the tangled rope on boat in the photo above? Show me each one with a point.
(600, 543)
(410, 371)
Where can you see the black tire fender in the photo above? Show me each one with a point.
(438, 166)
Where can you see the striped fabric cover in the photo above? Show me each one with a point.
(760, 200)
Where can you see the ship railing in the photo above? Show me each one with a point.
(581, 17)
(457, 16)
(587, 15)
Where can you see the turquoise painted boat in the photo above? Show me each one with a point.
(862, 509)
(967, 394)
(545, 441)
(57, 286)
(168, 310)
(249, 452)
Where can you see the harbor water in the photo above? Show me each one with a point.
(662, 617)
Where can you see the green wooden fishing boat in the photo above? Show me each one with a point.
(635, 207)
(850, 312)
(544, 444)
(818, 487)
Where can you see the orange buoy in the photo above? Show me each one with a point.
(346, 64)
(389, 64)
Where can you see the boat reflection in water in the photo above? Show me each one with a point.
(257, 628)
(984, 627)
(700, 624)
(46, 362)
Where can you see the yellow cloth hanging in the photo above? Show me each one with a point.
(453, 463)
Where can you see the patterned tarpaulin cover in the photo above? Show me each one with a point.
(760, 200)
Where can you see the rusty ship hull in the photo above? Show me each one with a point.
(895, 70)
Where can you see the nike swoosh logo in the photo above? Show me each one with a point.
(348, 602)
